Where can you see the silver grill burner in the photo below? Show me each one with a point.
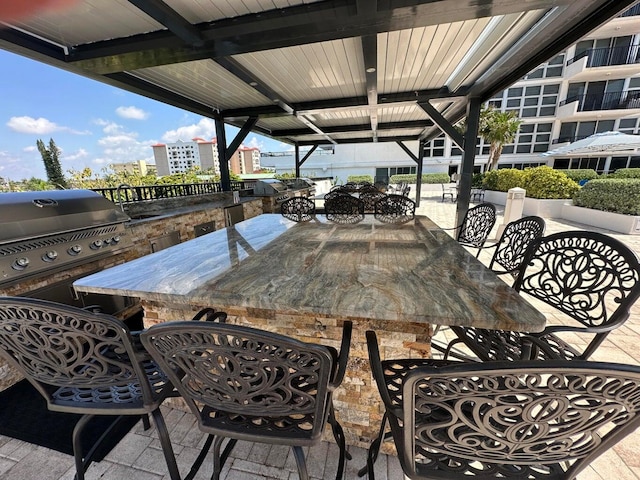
(44, 232)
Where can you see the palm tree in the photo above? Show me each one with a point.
(497, 128)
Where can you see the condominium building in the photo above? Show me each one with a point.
(140, 167)
(182, 156)
(593, 86)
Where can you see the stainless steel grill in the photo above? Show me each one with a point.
(44, 232)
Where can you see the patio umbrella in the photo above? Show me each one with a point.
(605, 143)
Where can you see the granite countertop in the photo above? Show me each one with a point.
(412, 272)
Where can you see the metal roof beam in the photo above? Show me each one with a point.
(298, 25)
(363, 127)
(370, 54)
(178, 25)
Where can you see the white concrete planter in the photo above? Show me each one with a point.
(564, 209)
(532, 206)
(617, 222)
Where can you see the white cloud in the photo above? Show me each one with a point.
(205, 128)
(133, 113)
(39, 126)
(79, 155)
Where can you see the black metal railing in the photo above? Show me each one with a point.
(127, 194)
(604, 57)
(608, 101)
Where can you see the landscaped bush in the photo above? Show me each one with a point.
(581, 174)
(547, 183)
(504, 179)
(477, 180)
(626, 173)
(426, 178)
(540, 182)
(360, 179)
(619, 195)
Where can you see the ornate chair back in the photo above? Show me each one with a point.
(589, 276)
(477, 225)
(513, 243)
(298, 209)
(395, 209)
(513, 419)
(344, 209)
(85, 363)
(370, 198)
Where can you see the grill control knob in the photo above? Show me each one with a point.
(20, 263)
(96, 244)
(74, 249)
(50, 256)
(115, 239)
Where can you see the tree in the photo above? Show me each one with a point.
(497, 128)
(50, 157)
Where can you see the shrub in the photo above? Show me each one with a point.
(626, 173)
(545, 182)
(504, 179)
(581, 174)
(360, 179)
(477, 181)
(619, 195)
(426, 178)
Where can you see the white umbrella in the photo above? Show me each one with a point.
(600, 143)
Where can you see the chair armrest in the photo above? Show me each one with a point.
(210, 315)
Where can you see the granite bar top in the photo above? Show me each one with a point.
(410, 272)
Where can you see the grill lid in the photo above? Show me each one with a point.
(28, 215)
(269, 186)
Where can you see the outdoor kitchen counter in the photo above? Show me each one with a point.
(305, 279)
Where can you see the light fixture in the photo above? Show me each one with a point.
(371, 69)
(253, 84)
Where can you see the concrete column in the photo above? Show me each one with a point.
(513, 209)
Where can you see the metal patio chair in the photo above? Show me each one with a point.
(298, 209)
(395, 209)
(344, 209)
(242, 383)
(516, 420)
(590, 277)
(476, 226)
(84, 363)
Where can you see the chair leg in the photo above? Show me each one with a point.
(217, 462)
(338, 434)
(165, 442)
(300, 462)
(374, 449)
(200, 459)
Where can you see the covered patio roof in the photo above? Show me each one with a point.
(312, 72)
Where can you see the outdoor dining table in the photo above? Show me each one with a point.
(305, 279)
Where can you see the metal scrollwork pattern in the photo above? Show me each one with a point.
(89, 357)
(395, 209)
(477, 225)
(344, 209)
(370, 198)
(298, 209)
(515, 239)
(591, 277)
(243, 374)
(522, 421)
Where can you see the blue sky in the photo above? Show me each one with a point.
(92, 123)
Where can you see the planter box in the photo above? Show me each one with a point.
(617, 222)
(532, 206)
(565, 210)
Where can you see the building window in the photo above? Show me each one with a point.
(552, 69)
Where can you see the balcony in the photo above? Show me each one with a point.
(595, 62)
(609, 101)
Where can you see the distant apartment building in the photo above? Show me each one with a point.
(182, 156)
(140, 167)
(592, 87)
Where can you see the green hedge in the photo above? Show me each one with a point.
(426, 178)
(540, 182)
(360, 179)
(619, 195)
(626, 173)
(580, 174)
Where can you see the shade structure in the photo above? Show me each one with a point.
(608, 143)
